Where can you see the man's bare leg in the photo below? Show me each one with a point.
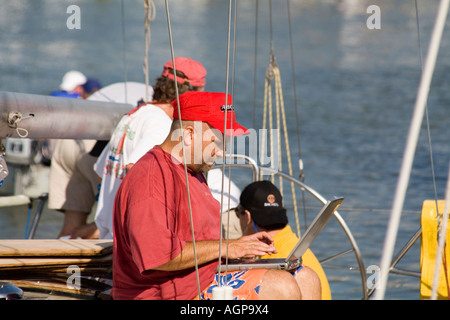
(72, 220)
(279, 285)
(309, 284)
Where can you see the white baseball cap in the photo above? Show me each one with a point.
(71, 80)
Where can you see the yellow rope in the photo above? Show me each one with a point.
(288, 150)
(273, 73)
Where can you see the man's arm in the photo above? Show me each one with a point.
(257, 244)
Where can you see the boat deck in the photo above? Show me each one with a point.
(54, 269)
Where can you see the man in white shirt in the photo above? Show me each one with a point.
(141, 129)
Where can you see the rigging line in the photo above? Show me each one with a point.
(264, 132)
(442, 238)
(271, 31)
(255, 63)
(231, 146)
(277, 106)
(273, 73)
(224, 142)
(444, 259)
(426, 116)
(294, 86)
(431, 152)
(272, 153)
(286, 138)
(413, 134)
(268, 99)
(268, 110)
(183, 148)
(225, 130)
(124, 56)
(149, 6)
(231, 140)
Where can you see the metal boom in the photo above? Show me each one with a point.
(46, 117)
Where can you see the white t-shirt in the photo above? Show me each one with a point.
(229, 200)
(133, 137)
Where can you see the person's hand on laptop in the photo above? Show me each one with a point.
(251, 246)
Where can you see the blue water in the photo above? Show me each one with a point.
(355, 89)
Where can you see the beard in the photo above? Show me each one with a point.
(202, 168)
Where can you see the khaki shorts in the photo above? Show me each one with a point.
(245, 284)
(73, 184)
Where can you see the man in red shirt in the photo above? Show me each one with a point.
(154, 255)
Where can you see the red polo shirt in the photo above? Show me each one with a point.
(152, 224)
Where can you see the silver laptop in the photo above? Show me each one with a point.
(294, 259)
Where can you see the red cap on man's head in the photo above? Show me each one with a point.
(194, 71)
(209, 107)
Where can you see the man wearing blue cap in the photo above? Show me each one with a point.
(73, 183)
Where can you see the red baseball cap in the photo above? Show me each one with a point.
(194, 71)
(209, 107)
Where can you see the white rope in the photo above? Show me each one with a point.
(184, 153)
(410, 148)
(14, 118)
(231, 149)
(224, 159)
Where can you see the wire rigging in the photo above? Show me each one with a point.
(124, 45)
(294, 87)
(224, 140)
(273, 76)
(255, 56)
(433, 176)
(183, 148)
(150, 14)
(411, 144)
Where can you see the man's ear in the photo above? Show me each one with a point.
(188, 135)
(248, 217)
